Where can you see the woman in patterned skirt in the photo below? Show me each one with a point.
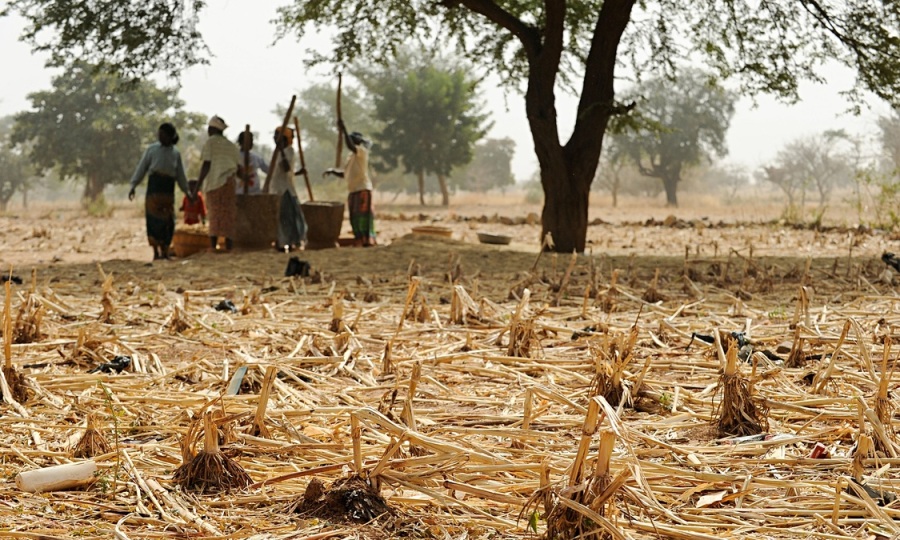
(221, 162)
(163, 163)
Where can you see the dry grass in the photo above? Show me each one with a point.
(416, 398)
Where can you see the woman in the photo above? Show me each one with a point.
(221, 162)
(291, 223)
(359, 186)
(163, 162)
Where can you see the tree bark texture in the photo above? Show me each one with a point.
(93, 188)
(445, 193)
(421, 178)
(671, 186)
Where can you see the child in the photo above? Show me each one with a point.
(194, 212)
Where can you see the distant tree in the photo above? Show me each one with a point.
(88, 128)
(676, 124)
(889, 136)
(536, 45)
(820, 162)
(491, 166)
(431, 118)
(16, 172)
(317, 112)
(726, 178)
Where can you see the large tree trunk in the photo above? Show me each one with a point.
(421, 178)
(445, 193)
(93, 188)
(671, 186)
(567, 171)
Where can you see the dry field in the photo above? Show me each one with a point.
(445, 389)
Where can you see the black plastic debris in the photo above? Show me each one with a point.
(881, 498)
(584, 332)
(11, 278)
(891, 260)
(226, 305)
(296, 267)
(739, 337)
(118, 364)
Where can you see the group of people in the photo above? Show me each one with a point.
(224, 175)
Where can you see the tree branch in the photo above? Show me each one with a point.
(526, 34)
(598, 92)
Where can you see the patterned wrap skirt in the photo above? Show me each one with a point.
(159, 210)
(221, 207)
(291, 222)
(362, 216)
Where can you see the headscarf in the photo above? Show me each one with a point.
(170, 130)
(358, 138)
(218, 123)
(288, 134)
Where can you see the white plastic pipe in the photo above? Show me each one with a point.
(57, 478)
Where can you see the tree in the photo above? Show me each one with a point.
(548, 44)
(431, 119)
(15, 171)
(491, 166)
(678, 125)
(134, 39)
(88, 128)
(318, 120)
(889, 137)
(816, 161)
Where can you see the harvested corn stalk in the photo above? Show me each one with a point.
(209, 469)
(737, 414)
(92, 442)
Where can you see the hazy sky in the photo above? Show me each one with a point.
(249, 75)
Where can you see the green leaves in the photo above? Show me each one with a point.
(86, 126)
(676, 124)
(134, 39)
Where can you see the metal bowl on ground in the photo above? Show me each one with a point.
(498, 239)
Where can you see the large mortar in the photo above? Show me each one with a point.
(324, 220)
(257, 221)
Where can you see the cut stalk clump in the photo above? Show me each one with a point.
(28, 321)
(884, 407)
(652, 295)
(612, 359)
(738, 413)
(208, 470)
(797, 357)
(14, 380)
(92, 443)
(583, 507)
(609, 300)
(107, 300)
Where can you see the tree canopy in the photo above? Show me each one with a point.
(677, 125)
(541, 45)
(431, 120)
(86, 127)
(134, 39)
(15, 170)
(490, 168)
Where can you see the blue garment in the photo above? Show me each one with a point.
(257, 163)
(163, 161)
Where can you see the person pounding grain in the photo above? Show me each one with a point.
(163, 163)
(221, 163)
(359, 186)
